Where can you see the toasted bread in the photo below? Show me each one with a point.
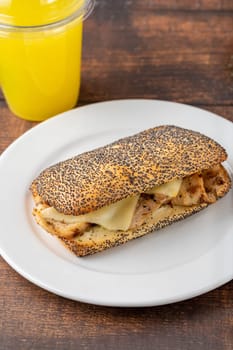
(130, 166)
(126, 167)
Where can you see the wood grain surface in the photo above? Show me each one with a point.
(161, 49)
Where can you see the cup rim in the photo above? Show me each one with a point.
(81, 14)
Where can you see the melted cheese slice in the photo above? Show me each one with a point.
(116, 216)
(169, 189)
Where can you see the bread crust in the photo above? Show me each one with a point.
(124, 168)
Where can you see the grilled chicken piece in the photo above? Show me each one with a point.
(59, 228)
(145, 206)
(192, 191)
(161, 198)
(214, 181)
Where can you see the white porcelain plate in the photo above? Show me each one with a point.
(184, 260)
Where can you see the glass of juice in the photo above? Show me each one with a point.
(40, 55)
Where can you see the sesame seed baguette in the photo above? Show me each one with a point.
(129, 166)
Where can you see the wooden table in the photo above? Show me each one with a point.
(162, 49)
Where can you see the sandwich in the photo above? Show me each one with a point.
(131, 187)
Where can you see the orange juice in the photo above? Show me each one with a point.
(40, 56)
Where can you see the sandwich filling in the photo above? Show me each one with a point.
(132, 212)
